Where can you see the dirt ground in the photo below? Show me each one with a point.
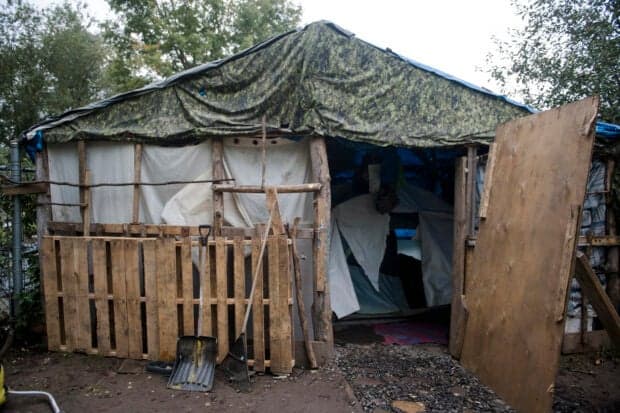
(376, 376)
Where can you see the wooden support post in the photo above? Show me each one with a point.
(321, 307)
(82, 166)
(458, 315)
(87, 202)
(472, 165)
(592, 288)
(137, 178)
(218, 197)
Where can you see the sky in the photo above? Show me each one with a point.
(454, 36)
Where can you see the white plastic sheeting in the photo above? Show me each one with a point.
(180, 204)
(436, 235)
(343, 298)
(366, 231)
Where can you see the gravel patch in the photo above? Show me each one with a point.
(380, 375)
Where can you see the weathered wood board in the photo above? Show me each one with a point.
(516, 294)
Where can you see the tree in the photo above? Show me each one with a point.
(566, 51)
(156, 38)
(50, 63)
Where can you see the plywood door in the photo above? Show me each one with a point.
(524, 253)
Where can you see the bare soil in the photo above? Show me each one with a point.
(363, 377)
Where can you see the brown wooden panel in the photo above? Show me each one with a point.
(275, 322)
(222, 294)
(205, 326)
(283, 310)
(457, 312)
(239, 283)
(166, 298)
(50, 292)
(187, 273)
(132, 282)
(149, 251)
(513, 335)
(80, 271)
(258, 320)
(69, 290)
(119, 293)
(100, 281)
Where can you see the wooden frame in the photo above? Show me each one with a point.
(145, 291)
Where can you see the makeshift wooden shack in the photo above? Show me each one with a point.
(132, 177)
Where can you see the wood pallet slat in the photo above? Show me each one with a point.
(100, 281)
(119, 292)
(149, 251)
(275, 345)
(187, 282)
(239, 283)
(50, 293)
(132, 289)
(69, 289)
(221, 260)
(258, 321)
(206, 326)
(166, 294)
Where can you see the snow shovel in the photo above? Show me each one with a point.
(194, 366)
(235, 364)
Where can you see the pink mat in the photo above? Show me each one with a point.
(412, 332)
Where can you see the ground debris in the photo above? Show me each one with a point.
(418, 376)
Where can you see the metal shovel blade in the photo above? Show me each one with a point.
(194, 367)
(235, 364)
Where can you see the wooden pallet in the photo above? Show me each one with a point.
(132, 297)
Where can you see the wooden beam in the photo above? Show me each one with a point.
(87, 209)
(472, 165)
(600, 241)
(458, 313)
(321, 307)
(591, 287)
(137, 177)
(218, 197)
(255, 189)
(24, 188)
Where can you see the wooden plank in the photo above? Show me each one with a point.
(100, 281)
(166, 298)
(149, 251)
(221, 259)
(239, 283)
(258, 321)
(272, 205)
(137, 177)
(488, 183)
(119, 292)
(87, 208)
(542, 164)
(283, 309)
(24, 188)
(321, 308)
(218, 197)
(132, 282)
(257, 189)
(49, 278)
(205, 323)
(80, 270)
(591, 287)
(457, 312)
(275, 345)
(69, 290)
(472, 166)
(187, 274)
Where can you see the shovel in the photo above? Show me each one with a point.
(194, 366)
(235, 364)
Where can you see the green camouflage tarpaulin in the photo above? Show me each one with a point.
(315, 80)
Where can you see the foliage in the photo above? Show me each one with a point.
(156, 38)
(50, 63)
(566, 51)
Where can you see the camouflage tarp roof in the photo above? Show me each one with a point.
(319, 79)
